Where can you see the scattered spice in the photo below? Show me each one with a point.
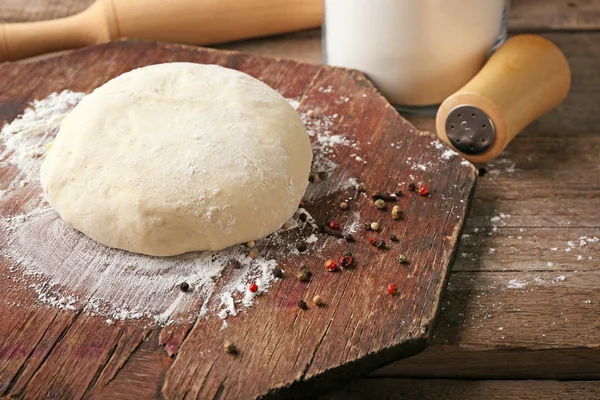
(374, 226)
(396, 212)
(277, 272)
(302, 247)
(402, 259)
(304, 275)
(251, 244)
(360, 188)
(334, 225)
(330, 265)
(392, 289)
(253, 253)
(332, 232)
(184, 287)
(233, 263)
(323, 175)
(380, 204)
(372, 241)
(346, 261)
(367, 226)
(311, 114)
(384, 197)
(253, 288)
(482, 171)
(313, 177)
(344, 205)
(347, 253)
(285, 226)
(318, 301)
(423, 190)
(302, 217)
(412, 187)
(302, 304)
(229, 347)
(398, 192)
(349, 238)
(394, 238)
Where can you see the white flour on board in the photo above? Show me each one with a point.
(68, 270)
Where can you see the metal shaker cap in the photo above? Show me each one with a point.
(470, 130)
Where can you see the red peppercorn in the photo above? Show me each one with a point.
(253, 288)
(346, 261)
(373, 241)
(392, 289)
(334, 225)
(330, 265)
(423, 191)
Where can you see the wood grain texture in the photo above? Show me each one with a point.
(284, 351)
(431, 389)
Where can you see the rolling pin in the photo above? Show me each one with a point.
(525, 78)
(197, 22)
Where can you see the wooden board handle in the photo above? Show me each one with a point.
(524, 79)
(197, 22)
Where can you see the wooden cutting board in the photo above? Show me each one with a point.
(283, 350)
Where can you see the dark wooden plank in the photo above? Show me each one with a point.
(554, 15)
(432, 389)
(362, 327)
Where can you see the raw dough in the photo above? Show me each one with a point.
(178, 157)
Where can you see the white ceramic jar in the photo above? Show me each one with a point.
(417, 52)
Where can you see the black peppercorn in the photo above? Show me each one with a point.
(302, 217)
(302, 304)
(233, 263)
(412, 187)
(380, 244)
(184, 287)
(394, 238)
(323, 175)
(277, 272)
(302, 247)
(349, 238)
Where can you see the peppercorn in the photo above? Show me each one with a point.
(229, 347)
(398, 192)
(372, 241)
(384, 196)
(423, 190)
(334, 225)
(330, 265)
(396, 212)
(304, 275)
(251, 244)
(277, 272)
(412, 187)
(323, 175)
(367, 227)
(380, 244)
(302, 217)
(346, 261)
(253, 253)
(394, 238)
(302, 247)
(391, 288)
(313, 177)
(347, 253)
(233, 263)
(184, 287)
(349, 238)
(302, 304)
(253, 288)
(344, 205)
(311, 114)
(318, 301)
(379, 204)
(374, 226)
(361, 187)
(402, 259)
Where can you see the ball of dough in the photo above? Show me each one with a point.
(178, 157)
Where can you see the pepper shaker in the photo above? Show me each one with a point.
(525, 78)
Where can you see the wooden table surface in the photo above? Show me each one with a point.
(521, 317)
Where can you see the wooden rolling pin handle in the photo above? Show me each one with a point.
(524, 79)
(184, 21)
